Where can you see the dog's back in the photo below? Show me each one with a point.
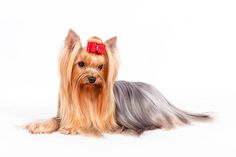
(140, 107)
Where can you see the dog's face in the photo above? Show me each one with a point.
(89, 69)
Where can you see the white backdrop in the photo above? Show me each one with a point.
(185, 48)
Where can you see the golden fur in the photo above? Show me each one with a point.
(84, 107)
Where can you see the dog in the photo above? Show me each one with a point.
(92, 102)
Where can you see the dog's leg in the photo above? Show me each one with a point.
(44, 127)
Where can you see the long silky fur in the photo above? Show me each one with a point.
(85, 108)
(140, 107)
(108, 106)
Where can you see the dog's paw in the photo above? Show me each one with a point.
(69, 131)
(45, 127)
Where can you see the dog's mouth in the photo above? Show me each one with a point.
(91, 85)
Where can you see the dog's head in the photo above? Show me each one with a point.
(95, 64)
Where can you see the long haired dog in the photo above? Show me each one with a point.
(92, 102)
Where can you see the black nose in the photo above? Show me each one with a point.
(91, 79)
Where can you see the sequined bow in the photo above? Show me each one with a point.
(94, 47)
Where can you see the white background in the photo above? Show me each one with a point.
(185, 48)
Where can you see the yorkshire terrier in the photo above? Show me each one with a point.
(91, 101)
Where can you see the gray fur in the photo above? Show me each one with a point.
(140, 107)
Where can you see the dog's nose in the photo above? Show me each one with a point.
(91, 79)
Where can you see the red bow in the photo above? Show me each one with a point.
(94, 47)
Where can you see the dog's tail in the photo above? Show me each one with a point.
(187, 117)
(140, 107)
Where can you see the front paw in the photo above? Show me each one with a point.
(69, 131)
(44, 127)
(38, 128)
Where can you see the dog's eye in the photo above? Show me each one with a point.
(100, 67)
(81, 64)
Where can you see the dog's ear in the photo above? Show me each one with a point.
(111, 43)
(71, 39)
(113, 58)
